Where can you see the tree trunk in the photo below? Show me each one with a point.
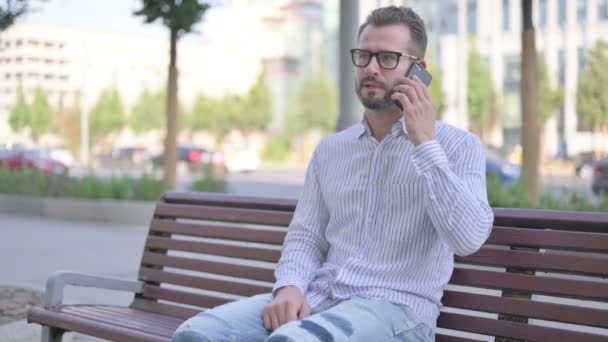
(170, 159)
(530, 125)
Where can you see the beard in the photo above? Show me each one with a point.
(370, 102)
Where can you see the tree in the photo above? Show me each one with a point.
(10, 11)
(212, 115)
(551, 99)
(257, 105)
(19, 117)
(107, 115)
(481, 96)
(315, 106)
(148, 113)
(41, 115)
(67, 124)
(179, 16)
(530, 106)
(436, 89)
(592, 94)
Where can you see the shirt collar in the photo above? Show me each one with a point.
(397, 129)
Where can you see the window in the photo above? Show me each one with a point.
(49, 44)
(48, 76)
(561, 12)
(561, 66)
(542, 13)
(602, 9)
(512, 73)
(63, 77)
(19, 42)
(33, 42)
(472, 16)
(449, 22)
(18, 59)
(506, 15)
(7, 76)
(581, 59)
(18, 75)
(581, 11)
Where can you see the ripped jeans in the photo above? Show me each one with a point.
(355, 319)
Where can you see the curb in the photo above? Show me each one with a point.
(98, 211)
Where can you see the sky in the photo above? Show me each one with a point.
(111, 16)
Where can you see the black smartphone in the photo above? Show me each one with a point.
(416, 70)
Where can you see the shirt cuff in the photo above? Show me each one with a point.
(428, 155)
(289, 281)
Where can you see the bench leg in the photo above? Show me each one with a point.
(51, 334)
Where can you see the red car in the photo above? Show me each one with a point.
(35, 159)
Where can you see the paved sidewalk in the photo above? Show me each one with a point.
(32, 248)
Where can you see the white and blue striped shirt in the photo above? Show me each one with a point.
(383, 220)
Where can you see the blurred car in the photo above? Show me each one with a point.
(38, 159)
(242, 160)
(62, 155)
(584, 165)
(124, 157)
(194, 159)
(599, 182)
(507, 172)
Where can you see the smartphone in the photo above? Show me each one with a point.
(416, 70)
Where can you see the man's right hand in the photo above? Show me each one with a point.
(288, 305)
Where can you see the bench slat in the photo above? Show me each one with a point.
(574, 264)
(174, 311)
(549, 238)
(132, 321)
(205, 283)
(247, 272)
(228, 200)
(253, 216)
(450, 338)
(254, 253)
(502, 328)
(218, 232)
(200, 300)
(90, 327)
(527, 308)
(580, 289)
(142, 316)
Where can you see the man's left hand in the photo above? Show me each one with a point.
(419, 109)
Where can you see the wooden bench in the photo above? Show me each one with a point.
(537, 269)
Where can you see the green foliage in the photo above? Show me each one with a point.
(436, 89)
(19, 117)
(277, 148)
(210, 182)
(500, 196)
(67, 124)
(315, 106)
(149, 111)
(481, 96)
(11, 11)
(178, 16)
(551, 98)
(41, 115)
(220, 115)
(38, 116)
(107, 115)
(257, 106)
(35, 183)
(592, 93)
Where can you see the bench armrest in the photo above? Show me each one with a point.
(60, 279)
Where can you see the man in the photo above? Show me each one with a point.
(386, 205)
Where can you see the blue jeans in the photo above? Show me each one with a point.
(356, 319)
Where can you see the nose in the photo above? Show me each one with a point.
(373, 68)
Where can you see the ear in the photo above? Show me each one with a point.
(422, 63)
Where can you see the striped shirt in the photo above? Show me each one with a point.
(383, 220)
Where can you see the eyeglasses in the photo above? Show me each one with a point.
(386, 59)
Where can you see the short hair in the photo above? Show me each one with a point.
(390, 15)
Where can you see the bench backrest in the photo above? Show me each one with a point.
(207, 249)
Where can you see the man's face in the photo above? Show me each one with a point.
(373, 83)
